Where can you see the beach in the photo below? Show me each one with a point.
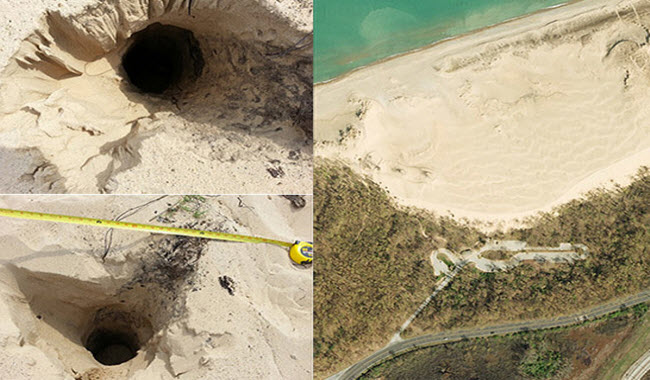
(370, 31)
(503, 123)
(195, 308)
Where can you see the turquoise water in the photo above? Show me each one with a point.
(353, 33)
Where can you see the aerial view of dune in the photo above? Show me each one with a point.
(482, 202)
(158, 96)
(88, 303)
(504, 122)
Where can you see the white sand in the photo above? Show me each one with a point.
(197, 328)
(70, 121)
(505, 122)
(519, 251)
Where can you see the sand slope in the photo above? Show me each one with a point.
(72, 121)
(53, 286)
(504, 122)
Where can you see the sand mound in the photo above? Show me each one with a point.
(140, 96)
(504, 122)
(157, 307)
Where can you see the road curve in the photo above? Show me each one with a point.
(401, 347)
(639, 368)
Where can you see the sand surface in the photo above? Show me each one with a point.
(71, 121)
(502, 123)
(55, 289)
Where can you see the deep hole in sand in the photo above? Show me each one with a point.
(128, 78)
(115, 336)
(162, 56)
(112, 347)
(117, 323)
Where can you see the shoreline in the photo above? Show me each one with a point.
(475, 108)
(447, 39)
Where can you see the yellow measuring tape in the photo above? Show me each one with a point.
(303, 256)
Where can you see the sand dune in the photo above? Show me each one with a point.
(55, 293)
(504, 122)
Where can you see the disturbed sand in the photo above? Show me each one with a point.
(204, 309)
(505, 122)
(236, 119)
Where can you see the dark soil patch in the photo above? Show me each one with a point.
(228, 284)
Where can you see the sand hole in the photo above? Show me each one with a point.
(112, 347)
(98, 92)
(115, 337)
(162, 56)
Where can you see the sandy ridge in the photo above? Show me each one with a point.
(500, 124)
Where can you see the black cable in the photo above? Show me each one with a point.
(108, 237)
(294, 47)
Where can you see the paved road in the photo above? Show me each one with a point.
(358, 369)
(639, 368)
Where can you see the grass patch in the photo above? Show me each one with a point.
(543, 364)
(194, 205)
(442, 257)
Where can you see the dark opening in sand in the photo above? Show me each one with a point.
(162, 57)
(115, 336)
(112, 347)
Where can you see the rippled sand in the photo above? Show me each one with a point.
(504, 122)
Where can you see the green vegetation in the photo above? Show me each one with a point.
(562, 353)
(442, 257)
(374, 266)
(195, 205)
(543, 364)
(373, 269)
(615, 226)
(640, 309)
